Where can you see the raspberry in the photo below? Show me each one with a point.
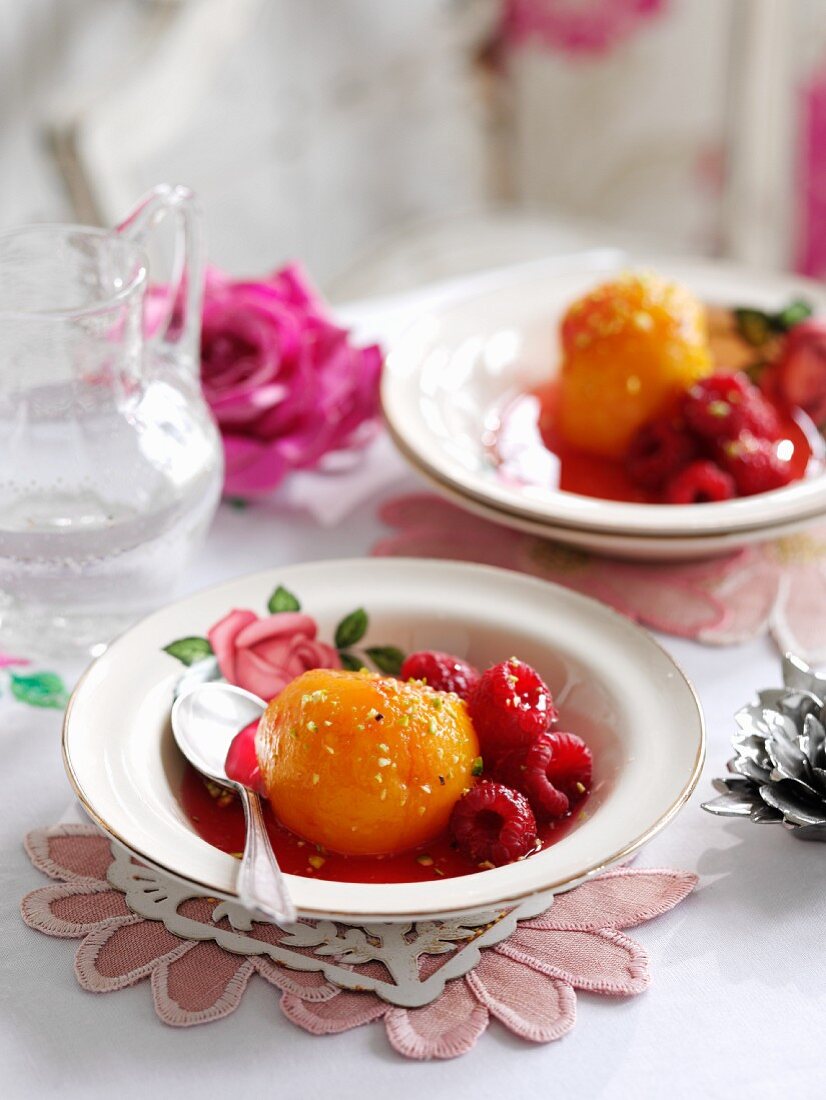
(755, 465)
(658, 450)
(700, 483)
(491, 823)
(552, 772)
(441, 671)
(801, 368)
(510, 707)
(725, 405)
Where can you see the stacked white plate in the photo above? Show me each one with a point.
(453, 371)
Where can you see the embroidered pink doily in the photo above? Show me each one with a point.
(527, 982)
(777, 587)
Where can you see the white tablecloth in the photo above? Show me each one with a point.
(739, 969)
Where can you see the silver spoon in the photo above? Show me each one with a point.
(204, 722)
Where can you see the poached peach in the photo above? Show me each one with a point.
(365, 765)
(629, 348)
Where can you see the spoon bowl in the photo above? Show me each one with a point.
(204, 722)
(206, 719)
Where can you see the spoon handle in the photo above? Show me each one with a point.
(260, 883)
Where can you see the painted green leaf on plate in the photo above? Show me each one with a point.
(189, 650)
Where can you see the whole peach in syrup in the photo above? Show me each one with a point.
(365, 765)
(629, 348)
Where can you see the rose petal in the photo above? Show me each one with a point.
(253, 468)
(605, 962)
(616, 899)
(283, 625)
(74, 909)
(68, 852)
(201, 984)
(255, 674)
(446, 1028)
(222, 638)
(530, 1004)
(113, 958)
(335, 1014)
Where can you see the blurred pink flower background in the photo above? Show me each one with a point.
(285, 383)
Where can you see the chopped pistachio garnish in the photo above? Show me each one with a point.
(311, 726)
(426, 788)
(383, 747)
(486, 865)
(316, 862)
(379, 777)
(425, 861)
(581, 788)
(318, 696)
(384, 761)
(478, 766)
(330, 750)
(404, 720)
(432, 726)
(316, 778)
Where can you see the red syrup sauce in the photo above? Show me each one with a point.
(524, 443)
(220, 822)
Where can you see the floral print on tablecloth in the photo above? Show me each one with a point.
(777, 587)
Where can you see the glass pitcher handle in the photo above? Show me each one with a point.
(180, 327)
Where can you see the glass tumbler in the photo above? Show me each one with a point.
(110, 461)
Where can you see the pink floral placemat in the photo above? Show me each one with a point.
(777, 587)
(527, 982)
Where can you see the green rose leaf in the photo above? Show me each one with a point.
(386, 658)
(40, 689)
(189, 650)
(795, 312)
(351, 629)
(351, 661)
(282, 600)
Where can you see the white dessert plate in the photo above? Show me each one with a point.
(450, 375)
(613, 683)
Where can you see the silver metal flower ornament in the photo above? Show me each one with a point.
(779, 771)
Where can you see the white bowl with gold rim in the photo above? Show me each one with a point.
(451, 373)
(613, 683)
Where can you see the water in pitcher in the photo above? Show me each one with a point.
(100, 512)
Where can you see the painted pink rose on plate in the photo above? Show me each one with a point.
(264, 655)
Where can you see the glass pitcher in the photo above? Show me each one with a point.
(110, 461)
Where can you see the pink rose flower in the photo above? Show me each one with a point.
(264, 655)
(285, 384)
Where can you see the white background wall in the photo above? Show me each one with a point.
(331, 122)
